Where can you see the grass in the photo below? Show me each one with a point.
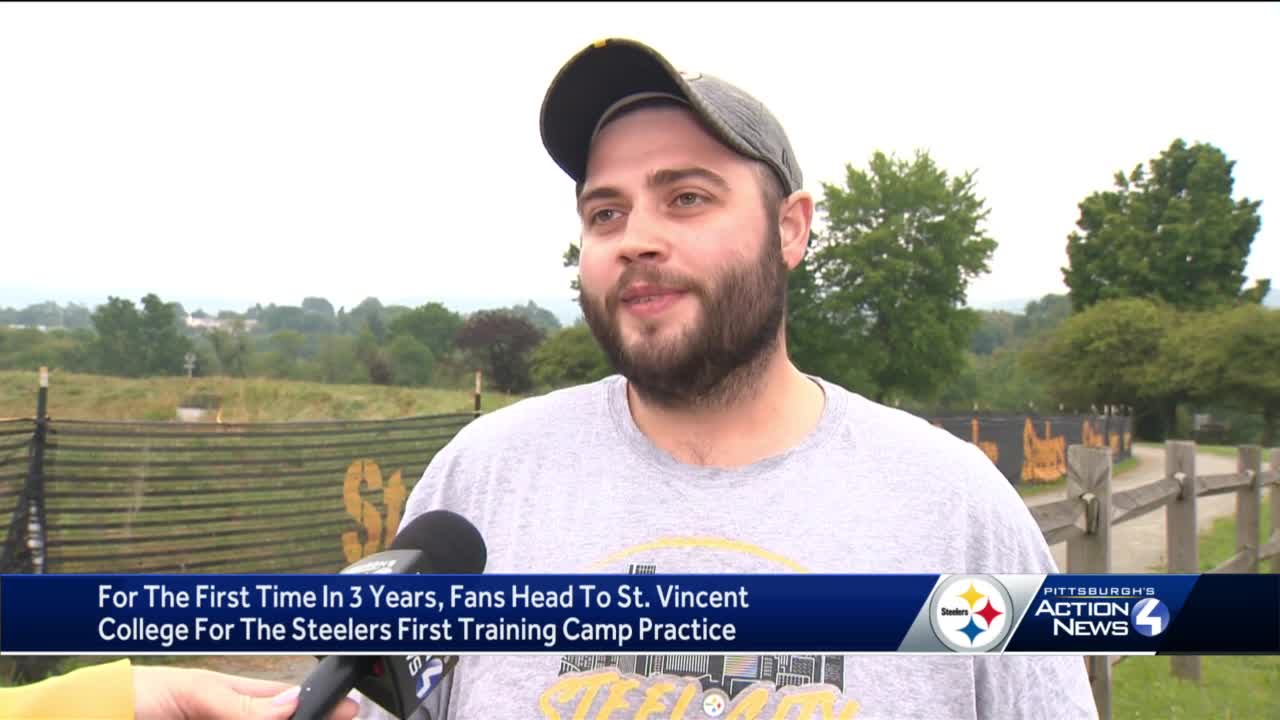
(1059, 485)
(98, 397)
(1232, 686)
(1219, 542)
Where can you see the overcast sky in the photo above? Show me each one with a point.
(232, 153)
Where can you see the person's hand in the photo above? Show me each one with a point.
(170, 693)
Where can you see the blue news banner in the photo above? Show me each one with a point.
(619, 614)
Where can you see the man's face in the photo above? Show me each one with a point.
(683, 280)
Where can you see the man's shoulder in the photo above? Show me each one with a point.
(894, 429)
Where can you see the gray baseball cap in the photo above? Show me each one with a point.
(610, 74)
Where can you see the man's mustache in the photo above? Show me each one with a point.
(652, 275)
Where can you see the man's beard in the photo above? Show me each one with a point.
(721, 355)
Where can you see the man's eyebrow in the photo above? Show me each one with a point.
(659, 178)
(600, 193)
(675, 175)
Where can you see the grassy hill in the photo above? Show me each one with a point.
(98, 397)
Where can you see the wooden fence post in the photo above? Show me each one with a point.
(1182, 546)
(1275, 505)
(1249, 505)
(1089, 479)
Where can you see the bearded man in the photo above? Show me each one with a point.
(709, 451)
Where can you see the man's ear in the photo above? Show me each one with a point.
(794, 219)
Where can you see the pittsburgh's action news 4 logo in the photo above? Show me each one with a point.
(971, 613)
(1103, 612)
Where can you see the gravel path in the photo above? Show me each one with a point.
(1138, 545)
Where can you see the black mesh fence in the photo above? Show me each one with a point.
(135, 497)
(16, 437)
(1033, 449)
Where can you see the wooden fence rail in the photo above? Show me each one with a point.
(1084, 521)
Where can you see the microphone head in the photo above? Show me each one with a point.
(451, 544)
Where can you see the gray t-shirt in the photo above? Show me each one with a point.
(566, 483)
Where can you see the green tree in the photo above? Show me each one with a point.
(890, 271)
(77, 317)
(816, 342)
(995, 329)
(318, 305)
(411, 361)
(207, 363)
(291, 317)
(1171, 233)
(538, 316)
(501, 342)
(569, 357)
(1103, 356)
(337, 361)
(1044, 314)
(375, 358)
(285, 354)
(368, 313)
(570, 259)
(432, 324)
(29, 348)
(45, 314)
(116, 350)
(233, 349)
(1229, 358)
(162, 345)
(1005, 384)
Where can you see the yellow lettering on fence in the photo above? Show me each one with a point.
(991, 449)
(1043, 459)
(393, 497)
(1092, 438)
(378, 534)
(361, 472)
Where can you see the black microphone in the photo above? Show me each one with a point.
(438, 541)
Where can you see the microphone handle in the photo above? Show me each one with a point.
(328, 683)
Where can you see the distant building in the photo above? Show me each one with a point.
(208, 323)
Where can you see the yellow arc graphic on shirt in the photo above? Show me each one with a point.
(711, 543)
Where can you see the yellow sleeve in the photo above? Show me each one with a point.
(97, 692)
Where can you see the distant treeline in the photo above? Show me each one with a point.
(521, 347)
(1043, 360)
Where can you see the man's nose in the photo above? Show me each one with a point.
(644, 238)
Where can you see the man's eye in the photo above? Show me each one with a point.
(689, 199)
(603, 216)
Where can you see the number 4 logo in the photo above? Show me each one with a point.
(1150, 617)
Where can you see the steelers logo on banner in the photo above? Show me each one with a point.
(971, 613)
